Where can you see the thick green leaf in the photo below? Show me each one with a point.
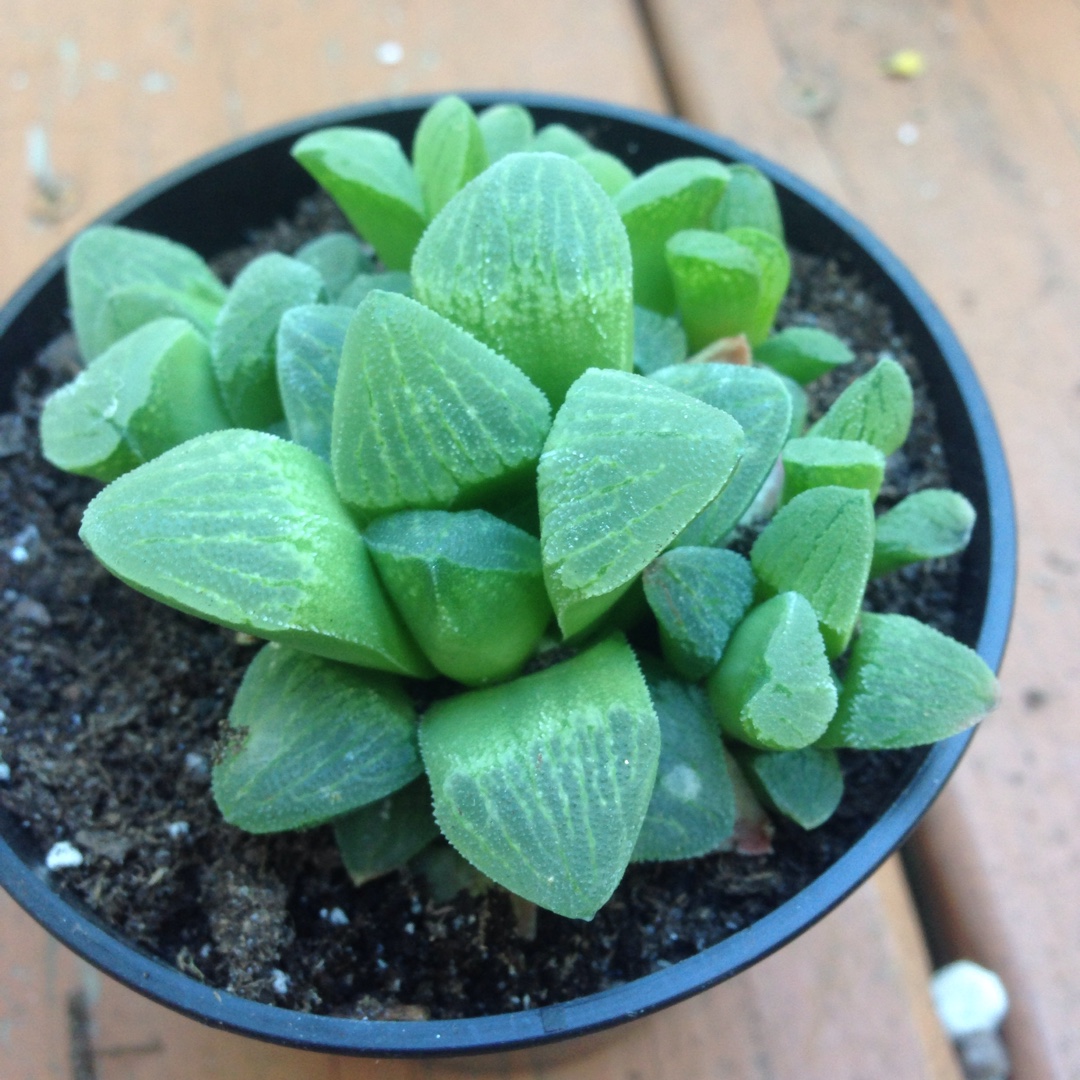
(446, 874)
(820, 544)
(606, 169)
(698, 595)
(368, 175)
(543, 783)
(816, 462)
(385, 834)
(448, 151)
(309, 739)
(907, 684)
(148, 392)
(659, 341)
(804, 785)
(118, 279)
(717, 285)
(309, 343)
(506, 129)
(803, 353)
(774, 687)
(426, 416)
(876, 408)
(749, 199)
(469, 586)
(246, 530)
(929, 524)
(760, 403)
(666, 199)
(339, 257)
(356, 292)
(775, 265)
(692, 810)
(244, 342)
(559, 139)
(627, 464)
(532, 259)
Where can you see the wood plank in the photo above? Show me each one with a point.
(98, 99)
(978, 206)
(846, 1001)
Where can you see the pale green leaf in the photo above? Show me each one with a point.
(339, 257)
(760, 403)
(559, 139)
(749, 199)
(119, 278)
(803, 353)
(532, 259)
(667, 199)
(448, 151)
(907, 684)
(148, 392)
(804, 785)
(820, 544)
(930, 524)
(426, 416)
(775, 264)
(543, 783)
(356, 292)
(309, 739)
(246, 530)
(698, 596)
(659, 341)
(773, 688)
(368, 175)
(816, 462)
(876, 408)
(717, 285)
(606, 169)
(627, 464)
(469, 586)
(506, 129)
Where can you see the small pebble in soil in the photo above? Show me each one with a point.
(63, 856)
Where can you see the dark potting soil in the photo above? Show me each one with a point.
(111, 704)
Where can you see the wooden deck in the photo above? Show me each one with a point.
(969, 172)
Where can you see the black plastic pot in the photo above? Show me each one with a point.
(210, 205)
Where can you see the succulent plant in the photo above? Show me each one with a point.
(462, 475)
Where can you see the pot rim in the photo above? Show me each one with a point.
(23, 874)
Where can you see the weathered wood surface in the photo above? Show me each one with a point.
(847, 1001)
(966, 172)
(969, 173)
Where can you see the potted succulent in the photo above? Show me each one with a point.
(548, 559)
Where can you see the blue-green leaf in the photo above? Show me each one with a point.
(749, 199)
(339, 257)
(876, 408)
(692, 809)
(930, 524)
(309, 343)
(805, 785)
(309, 739)
(506, 129)
(448, 151)
(803, 353)
(659, 341)
(244, 342)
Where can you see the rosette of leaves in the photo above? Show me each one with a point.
(461, 474)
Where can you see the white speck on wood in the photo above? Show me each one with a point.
(968, 998)
(389, 53)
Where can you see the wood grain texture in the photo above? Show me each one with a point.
(97, 99)
(975, 195)
(846, 1001)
